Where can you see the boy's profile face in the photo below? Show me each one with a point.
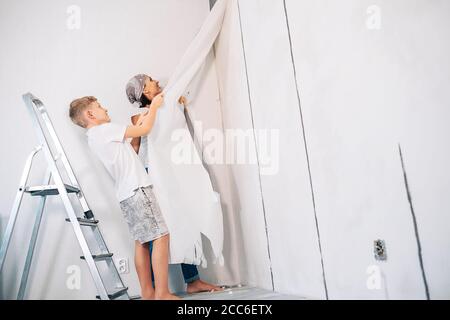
(97, 113)
(151, 88)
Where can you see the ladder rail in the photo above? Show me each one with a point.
(29, 102)
(33, 240)
(16, 205)
(119, 282)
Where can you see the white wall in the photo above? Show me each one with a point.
(272, 98)
(247, 202)
(40, 54)
(361, 93)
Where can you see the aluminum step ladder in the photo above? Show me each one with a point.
(95, 252)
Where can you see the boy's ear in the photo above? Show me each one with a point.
(89, 114)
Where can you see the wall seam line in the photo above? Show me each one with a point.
(414, 219)
(256, 146)
(306, 151)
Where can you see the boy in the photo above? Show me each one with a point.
(133, 188)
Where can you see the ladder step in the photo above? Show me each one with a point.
(116, 294)
(99, 257)
(49, 190)
(86, 222)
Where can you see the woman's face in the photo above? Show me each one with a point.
(151, 88)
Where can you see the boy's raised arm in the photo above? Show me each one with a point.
(145, 122)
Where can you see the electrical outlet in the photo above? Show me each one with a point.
(123, 266)
(379, 250)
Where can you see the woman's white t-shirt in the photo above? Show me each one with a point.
(143, 148)
(143, 151)
(108, 143)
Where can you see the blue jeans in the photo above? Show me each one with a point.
(190, 272)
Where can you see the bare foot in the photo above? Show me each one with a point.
(148, 296)
(166, 296)
(201, 286)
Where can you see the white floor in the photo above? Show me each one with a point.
(240, 293)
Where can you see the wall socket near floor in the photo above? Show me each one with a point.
(123, 265)
(379, 250)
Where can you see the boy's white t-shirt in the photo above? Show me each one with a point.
(108, 142)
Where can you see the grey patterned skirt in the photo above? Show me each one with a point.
(143, 216)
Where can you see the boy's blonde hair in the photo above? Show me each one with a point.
(77, 107)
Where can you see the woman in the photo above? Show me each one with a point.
(140, 90)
